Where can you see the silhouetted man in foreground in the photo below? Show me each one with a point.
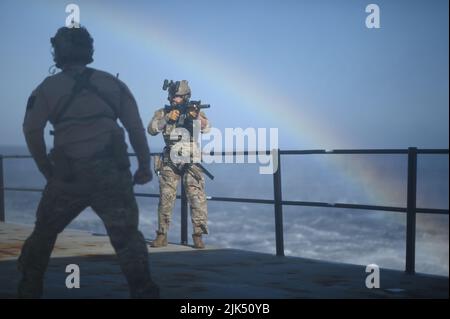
(88, 165)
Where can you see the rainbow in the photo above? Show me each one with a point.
(247, 90)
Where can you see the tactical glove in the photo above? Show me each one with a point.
(142, 176)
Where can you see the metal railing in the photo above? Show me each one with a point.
(411, 209)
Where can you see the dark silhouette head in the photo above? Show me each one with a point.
(72, 46)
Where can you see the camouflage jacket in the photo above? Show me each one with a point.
(160, 124)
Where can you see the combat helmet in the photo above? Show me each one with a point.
(72, 45)
(180, 88)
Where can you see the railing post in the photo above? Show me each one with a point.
(278, 203)
(184, 216)
(2, 192)
(411, 211)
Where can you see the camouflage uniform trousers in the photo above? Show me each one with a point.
(194, 185)
(100, 185)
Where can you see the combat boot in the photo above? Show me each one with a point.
(198, 243)
(149, 291)
(30, 289)
(160, 241)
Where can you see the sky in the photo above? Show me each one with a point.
(312, 69)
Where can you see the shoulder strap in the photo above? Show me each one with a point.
(82, 81)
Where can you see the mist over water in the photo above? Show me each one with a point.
(344, 235)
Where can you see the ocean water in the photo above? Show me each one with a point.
(344, 235)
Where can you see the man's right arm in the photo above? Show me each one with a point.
(158, 123)
(131, 120)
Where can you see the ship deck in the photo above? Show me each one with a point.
(186, 273)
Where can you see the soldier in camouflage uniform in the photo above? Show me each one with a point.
(88, 165)
(164, 121)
